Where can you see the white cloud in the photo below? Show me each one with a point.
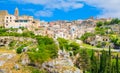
(51, 5)
(41, 2)
(55, 4)
(44, 13)
(110, 8)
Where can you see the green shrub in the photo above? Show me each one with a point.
(74, 46)
(86, 35)
(63, 43)
(98, 24)
(19, 49)
(12, 43)
(47, 49)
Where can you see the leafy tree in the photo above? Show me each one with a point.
(12, 43)
(47, 49)
(39, 57)
(100, 30)
(63, 43)
(44, 40)
(19, 49)
(107, 23)
(100, 23)
(115, 21)
(85, 36)
(118, 42)
(74, 46)
(114, 38)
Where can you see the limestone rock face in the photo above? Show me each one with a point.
(2, 71)
(25, 59)
(20, 31)
(4, 57)
(62, 64)
(16, 67)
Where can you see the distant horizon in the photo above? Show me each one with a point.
(12, 13)
(53, 10)
(52, 20)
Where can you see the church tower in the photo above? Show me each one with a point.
(16, 13)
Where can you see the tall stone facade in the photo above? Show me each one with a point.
(3, 13)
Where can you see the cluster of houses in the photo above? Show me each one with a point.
(55, 29)
(67, 29)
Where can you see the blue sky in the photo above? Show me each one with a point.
(51, 10)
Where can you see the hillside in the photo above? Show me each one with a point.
(30, 53)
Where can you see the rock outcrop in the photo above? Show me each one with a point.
(62, 64)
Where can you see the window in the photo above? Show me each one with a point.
(92, 44)
(16, 20)
(106, 39)
(103, 39)
(21, 20)
(7, 17)
(10, 20)
(6, 21)
(10, 17)
(6, 24)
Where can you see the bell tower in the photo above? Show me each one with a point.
(16, 13)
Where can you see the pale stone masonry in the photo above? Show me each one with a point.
(15, 21)
(3, 13)
(55, 29)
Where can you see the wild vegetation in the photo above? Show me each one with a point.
(104, 29)
(91, 61)
(88, 60)
(46, 48)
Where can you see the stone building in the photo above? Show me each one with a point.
(3, 13)
(15, 21)
(9, 20)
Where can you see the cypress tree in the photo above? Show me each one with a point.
(113, 68)
(109, 62)
(103, 60)
(94, 63)
(117, 64)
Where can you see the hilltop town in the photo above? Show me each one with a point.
(28, 45)
(64, 29)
